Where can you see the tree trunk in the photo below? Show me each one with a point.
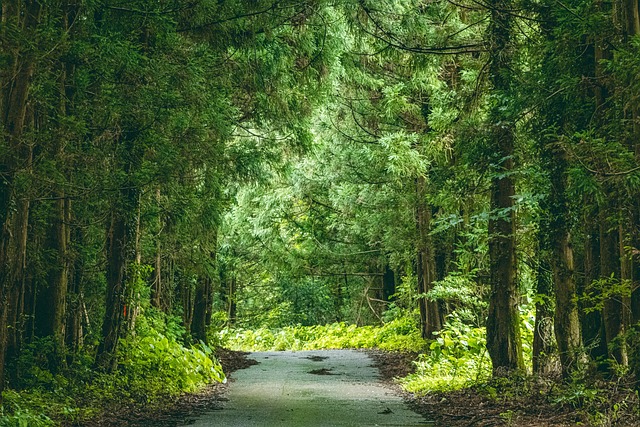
(567, 320)
(591, 322)
(51, 300)
(201, 309)
(388, 284)
(503, 322)
(121, 253)
(610, 274)
(74, 329)
(14, 204)
(156, 283)
(630, 237)
(188, 300)
(429, 310)
(610, 263)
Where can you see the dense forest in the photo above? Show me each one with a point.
(175, 170)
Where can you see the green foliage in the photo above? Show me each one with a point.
(462, 295)
(154, 365)
(23, 410)
(599, 291)
(456, 358)
(399, 334)
(20, 418)
(274, 148)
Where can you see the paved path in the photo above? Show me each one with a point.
(311, 389)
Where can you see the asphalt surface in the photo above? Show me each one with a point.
(324, 388)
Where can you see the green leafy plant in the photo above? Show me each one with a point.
(155, 365)
(457, 357)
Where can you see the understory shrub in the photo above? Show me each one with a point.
(155, 365)
(400, 334)
(151, 365)
(456, 358)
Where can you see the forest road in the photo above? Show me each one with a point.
(323, 388)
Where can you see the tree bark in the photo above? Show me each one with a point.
(610, 262)
(121, 253)
(202, 309)
(388, 284)
(503, 322)
(14, 207)
(610, 274)
(429, 310)
(74, 330)
(156, 283)
(591, 322)
(567, 320)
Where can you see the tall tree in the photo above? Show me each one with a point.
(503, 323)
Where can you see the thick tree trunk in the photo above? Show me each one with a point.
(388, 284)
(591, 322)
(429, 309)
(14, 208)
(51, 300)
(118, 240)
(203, 305)
(121, 253)
(74, 330)
(630, 237)
(202, 309)
(503, 322)
(612, 312)
(609, 223)
(567, 320)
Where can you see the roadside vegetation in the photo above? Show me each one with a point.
(153, 367)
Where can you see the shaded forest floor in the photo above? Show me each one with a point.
(523, 402)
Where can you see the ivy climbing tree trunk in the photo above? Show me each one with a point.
(503, 322)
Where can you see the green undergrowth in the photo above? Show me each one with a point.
(401, 334)
(456, 358)
(151, 366)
